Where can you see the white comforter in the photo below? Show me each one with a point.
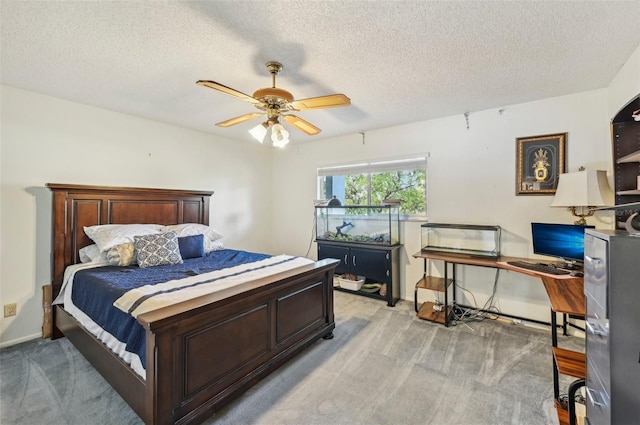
(152, 297)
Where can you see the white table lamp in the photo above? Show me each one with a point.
(582, 190)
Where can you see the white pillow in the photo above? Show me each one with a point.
(212, 246)
(109, 235)
(91, 253)
(190, 229)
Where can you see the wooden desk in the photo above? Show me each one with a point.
(566, 293)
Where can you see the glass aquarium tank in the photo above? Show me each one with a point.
(469, 239)
(363, 224)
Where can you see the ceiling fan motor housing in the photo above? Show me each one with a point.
(273, 96)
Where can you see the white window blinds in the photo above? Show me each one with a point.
(407, 164)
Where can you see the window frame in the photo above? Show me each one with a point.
(405, 163)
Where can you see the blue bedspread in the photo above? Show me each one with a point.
(95, 290)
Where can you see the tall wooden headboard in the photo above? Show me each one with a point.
(76, 206)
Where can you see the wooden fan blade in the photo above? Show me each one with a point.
(330, 101)
(300, 124)
(238, 120)
(228, 90)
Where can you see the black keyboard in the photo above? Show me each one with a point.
(539, 267)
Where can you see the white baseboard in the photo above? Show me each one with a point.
(5, 344)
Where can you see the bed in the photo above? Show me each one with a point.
(189, 374)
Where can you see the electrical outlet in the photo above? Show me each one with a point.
(10, 309)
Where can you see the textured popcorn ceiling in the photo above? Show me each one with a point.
(398, 61)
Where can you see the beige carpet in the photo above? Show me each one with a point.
(384, 366)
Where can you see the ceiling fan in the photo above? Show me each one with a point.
(276, 103)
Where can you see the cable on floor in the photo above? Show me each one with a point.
(478, 314)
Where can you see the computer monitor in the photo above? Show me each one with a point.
(565, 241)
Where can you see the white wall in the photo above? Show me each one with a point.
(626, 84)
(48, 140)
(471, 179)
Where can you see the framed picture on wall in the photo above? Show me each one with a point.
(539, 162)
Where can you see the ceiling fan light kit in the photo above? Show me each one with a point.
(279, 135)
(259, 131)
(277, 103)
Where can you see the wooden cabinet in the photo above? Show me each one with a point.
(376, 264)
(625, 133)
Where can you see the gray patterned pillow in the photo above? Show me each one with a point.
(158, 249)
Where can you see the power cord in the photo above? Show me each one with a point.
(489, 305)
(478, 314)
(313, 233)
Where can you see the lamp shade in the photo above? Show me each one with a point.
(279, 135)
(583, 189)
(259, 131)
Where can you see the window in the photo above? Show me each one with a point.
(371, 183)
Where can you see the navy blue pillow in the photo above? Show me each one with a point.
(191, 246)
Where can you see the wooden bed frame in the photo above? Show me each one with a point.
(203, 353)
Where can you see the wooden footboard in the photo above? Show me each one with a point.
(204, 353)
(211, 353)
